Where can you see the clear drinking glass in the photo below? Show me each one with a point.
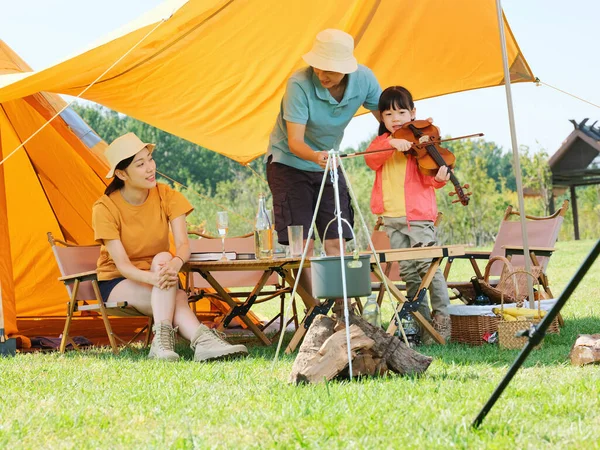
(296, 240)
(223, 228)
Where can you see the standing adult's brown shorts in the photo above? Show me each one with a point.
(295, 194)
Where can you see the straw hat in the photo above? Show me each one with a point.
(332, 51)
(122, 148)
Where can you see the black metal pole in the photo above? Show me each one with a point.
(537, 333)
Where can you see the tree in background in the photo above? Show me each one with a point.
(537, 176)
(179, 159)
(478, 222)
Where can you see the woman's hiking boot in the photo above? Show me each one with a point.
(163, 344)
(208, 344)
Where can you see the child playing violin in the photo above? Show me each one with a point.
(406, 200)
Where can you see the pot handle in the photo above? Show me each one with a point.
(355, 252)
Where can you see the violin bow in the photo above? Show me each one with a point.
(352, 155)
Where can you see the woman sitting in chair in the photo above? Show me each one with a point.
(131, 222)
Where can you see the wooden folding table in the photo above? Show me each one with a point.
(435, 254)
(282, 266)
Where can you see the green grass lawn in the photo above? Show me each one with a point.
(93, 399)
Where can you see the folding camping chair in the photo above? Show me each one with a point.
(77, 265)
(234, 281)
(542, 233)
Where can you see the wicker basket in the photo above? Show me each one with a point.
(512, 287)
(490, 286)
(508, 330)
(471, 329)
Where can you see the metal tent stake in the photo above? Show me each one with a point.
(536, 333)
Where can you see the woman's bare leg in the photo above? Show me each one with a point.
(184, 317)
(135, 294)
(167, 306)
(162, 300)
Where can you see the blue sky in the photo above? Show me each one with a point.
(558, 38)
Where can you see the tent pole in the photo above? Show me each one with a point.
(515, 149)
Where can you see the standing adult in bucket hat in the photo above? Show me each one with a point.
(131, 222)
(319, 102)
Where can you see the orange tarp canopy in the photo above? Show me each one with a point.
(214, 71)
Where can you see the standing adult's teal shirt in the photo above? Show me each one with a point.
(319, 102)
(307, 102)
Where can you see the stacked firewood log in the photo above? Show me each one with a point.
(324, 355)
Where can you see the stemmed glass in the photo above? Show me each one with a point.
(222, 228)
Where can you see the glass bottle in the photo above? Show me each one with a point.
(263, 235)
(371, 312)
(480, 298)
(459, 295)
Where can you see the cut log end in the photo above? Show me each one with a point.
(586, 350)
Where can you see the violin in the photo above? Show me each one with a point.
(430, 156)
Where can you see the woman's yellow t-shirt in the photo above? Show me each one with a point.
(392, 184)
(142, 229)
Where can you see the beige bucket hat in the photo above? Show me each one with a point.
(122, 148)
(332, 51)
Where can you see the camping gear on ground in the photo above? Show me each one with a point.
(511, 326)
(473, 325)
(8, 347)
(472, 328)
(411, 329)
(53, 343)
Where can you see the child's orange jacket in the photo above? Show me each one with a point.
(419, 189)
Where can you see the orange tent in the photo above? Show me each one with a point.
(49, 185)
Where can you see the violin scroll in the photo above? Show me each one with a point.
(464, 197)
